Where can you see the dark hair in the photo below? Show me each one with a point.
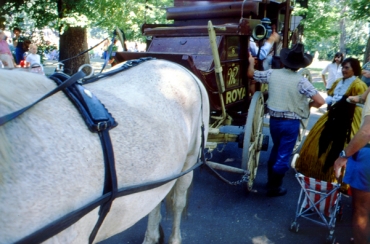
(338, 54)
(17, 29)
(355, 65)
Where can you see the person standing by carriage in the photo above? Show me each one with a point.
(366, 72)
(332, 132)
(18, 42)
(334, 70)
(355, 158)
(287, 105)
(6, 56)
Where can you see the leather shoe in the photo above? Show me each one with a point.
(276, 192)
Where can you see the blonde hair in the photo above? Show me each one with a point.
(33, 45)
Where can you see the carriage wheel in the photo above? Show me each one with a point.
(301, 135)
(304, 122)
(253, 138)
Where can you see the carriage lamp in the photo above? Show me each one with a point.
(262, 31)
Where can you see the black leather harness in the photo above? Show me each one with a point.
(100, 121)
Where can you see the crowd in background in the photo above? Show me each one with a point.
(18, 51)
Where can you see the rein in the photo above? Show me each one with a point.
(83, 52)
(110, 187)
(61, 224)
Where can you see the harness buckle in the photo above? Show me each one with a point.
(102, 126)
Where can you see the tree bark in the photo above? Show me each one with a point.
(367, 51)
(342, 44)
(71, 43)
(342, 26)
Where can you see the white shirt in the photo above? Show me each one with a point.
(33, 59)
(335, 72)
(340, 90)
(265, 49)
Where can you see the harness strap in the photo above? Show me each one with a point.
(125, 66)
(81, 53)
(109, 51)
(110, 185)
(63, 223)
(97, 119)
(110, 191)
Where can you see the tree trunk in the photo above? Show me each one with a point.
(342, 43)
(342, 26)
(71, 43)
(367, 51)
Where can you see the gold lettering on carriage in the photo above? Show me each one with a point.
(235, 95)
(232, 76)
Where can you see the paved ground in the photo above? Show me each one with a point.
(220, 213)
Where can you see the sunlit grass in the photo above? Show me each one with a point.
(316, 73)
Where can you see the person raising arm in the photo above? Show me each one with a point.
(355, 158)
(287, 105)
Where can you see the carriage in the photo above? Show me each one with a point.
(211, 39)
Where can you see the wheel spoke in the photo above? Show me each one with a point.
(252, 135)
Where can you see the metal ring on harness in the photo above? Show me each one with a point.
(60, 67)
(35, 65)
(91, 72)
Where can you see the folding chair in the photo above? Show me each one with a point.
(319, 202)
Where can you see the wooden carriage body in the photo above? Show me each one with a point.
(187, 42)
(212, 39)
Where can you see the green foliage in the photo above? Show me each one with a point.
(103, 15)
(322, 29)
(321, 24)
(360, 10)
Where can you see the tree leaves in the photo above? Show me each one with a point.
(324, 23)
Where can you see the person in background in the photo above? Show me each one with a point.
(26, 46)
(266, 47)
(6, 56)
(33, 60)
(355, 158)
(11, 47)
(287, 104)
(366, 72)
(91, 53)
(33, 57)
(18, 41)
(334, 69)
(105, 48)
(264, 56)
(332, 132)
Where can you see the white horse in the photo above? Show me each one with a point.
(51, 164)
